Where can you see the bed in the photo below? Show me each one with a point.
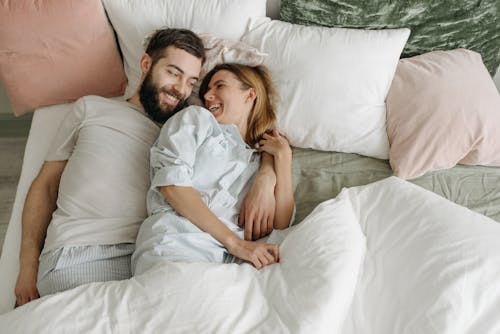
(387, 238)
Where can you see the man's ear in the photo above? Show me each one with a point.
(146, 63)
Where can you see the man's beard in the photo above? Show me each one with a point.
(149, 94)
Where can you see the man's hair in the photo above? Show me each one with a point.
(262, 118)
(183, 39)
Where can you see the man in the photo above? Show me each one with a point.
(86, 204)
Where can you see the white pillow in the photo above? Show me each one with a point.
(332, 83)
(133, 20)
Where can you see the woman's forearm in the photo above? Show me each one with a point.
(189, 204)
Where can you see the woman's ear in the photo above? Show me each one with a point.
(146, 62)
(251, 95)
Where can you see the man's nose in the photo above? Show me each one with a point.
(182, 87)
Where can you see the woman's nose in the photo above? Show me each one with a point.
(208, 96)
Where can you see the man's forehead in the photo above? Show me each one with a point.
(188, 63)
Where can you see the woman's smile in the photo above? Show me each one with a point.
(215, 109)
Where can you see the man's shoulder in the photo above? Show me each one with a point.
(95, 99)
(93, 105)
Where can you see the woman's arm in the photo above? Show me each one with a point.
(278, 146)
(188, 203)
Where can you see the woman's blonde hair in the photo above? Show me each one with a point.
(262, 117)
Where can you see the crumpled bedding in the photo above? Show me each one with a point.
(309, 291)
(319, 176)
(388, 257)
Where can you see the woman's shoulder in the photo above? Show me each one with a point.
(191, 120)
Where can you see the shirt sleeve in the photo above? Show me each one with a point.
(67, 134)
(174, 153)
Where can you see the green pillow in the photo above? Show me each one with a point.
(435, 25)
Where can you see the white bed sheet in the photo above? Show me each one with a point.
(43, 128)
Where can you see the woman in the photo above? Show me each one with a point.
(202, 166)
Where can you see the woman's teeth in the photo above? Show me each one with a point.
(214, 107)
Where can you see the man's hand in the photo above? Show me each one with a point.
(257, 211)
(26, 286)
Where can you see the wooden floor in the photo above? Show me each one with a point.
(13, 137)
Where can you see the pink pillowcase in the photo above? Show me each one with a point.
(442, 109)
(57, 51)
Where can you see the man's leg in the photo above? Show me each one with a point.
(68, 267)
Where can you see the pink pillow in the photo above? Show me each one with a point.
(56, 51)
(442, 109)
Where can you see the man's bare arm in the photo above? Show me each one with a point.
(38, 208)
(257, 211)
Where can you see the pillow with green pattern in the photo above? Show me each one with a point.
(434, 25)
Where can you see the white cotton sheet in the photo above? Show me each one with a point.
(309, 291)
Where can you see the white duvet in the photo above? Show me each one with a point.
(388, 257)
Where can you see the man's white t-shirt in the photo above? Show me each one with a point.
(102, 193)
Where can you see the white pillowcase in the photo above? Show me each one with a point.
(133, 20)
(332, 83)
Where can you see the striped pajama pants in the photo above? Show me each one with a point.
(68, 267)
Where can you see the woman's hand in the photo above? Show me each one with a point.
(257, 253)
(275, 144)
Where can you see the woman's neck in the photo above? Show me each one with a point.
(242, 129)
